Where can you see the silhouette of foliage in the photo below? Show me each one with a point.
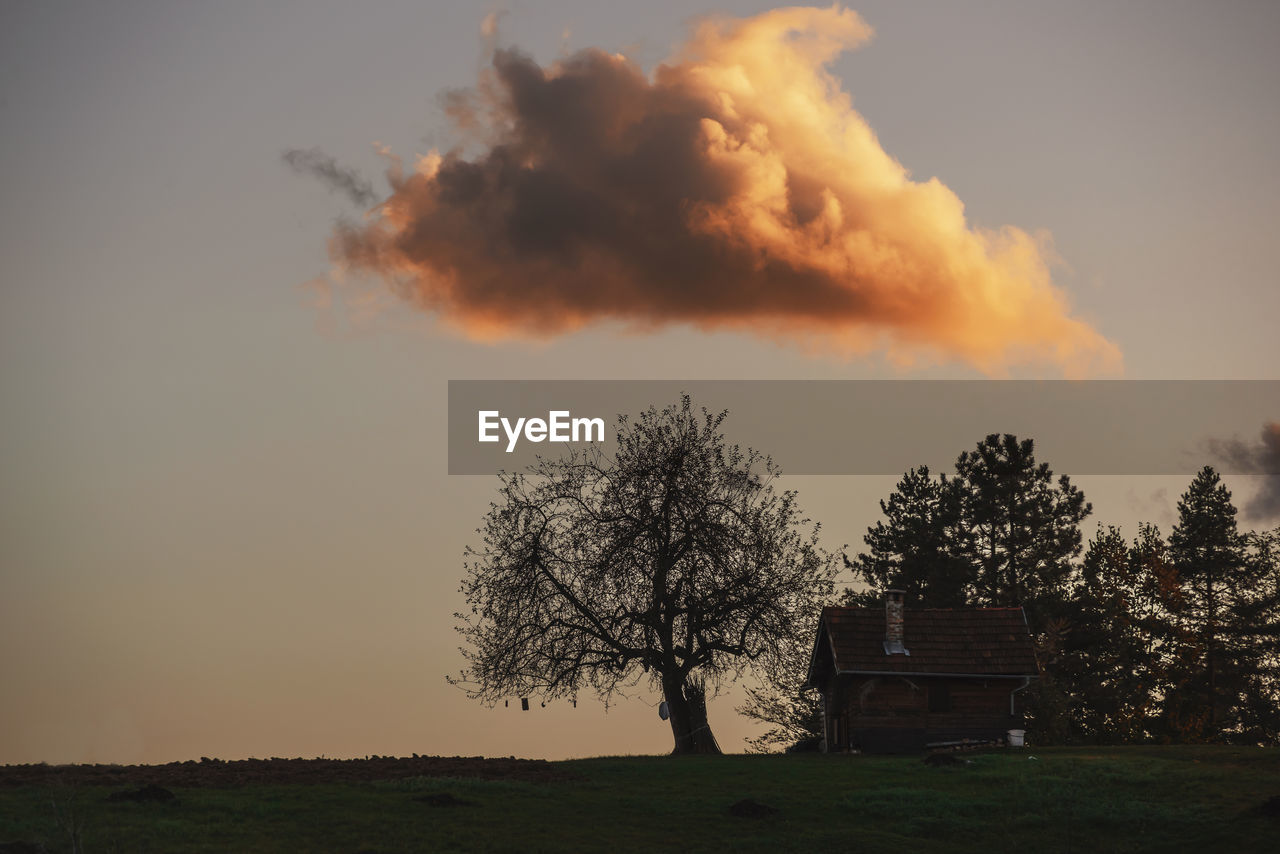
(674, 560)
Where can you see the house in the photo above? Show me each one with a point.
(900, 680)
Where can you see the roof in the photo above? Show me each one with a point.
(961, 641)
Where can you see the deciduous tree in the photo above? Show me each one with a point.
(673, 560)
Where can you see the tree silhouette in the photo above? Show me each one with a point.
(1259, 712)
(1221, 619)
(1112, 663)
(914, 548)
(673, 560)
(1021, 530)
(999, 532)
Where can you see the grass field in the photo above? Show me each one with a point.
(1060, 799)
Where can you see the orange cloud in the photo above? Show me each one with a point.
(735, 187)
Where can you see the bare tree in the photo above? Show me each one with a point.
(673, 560)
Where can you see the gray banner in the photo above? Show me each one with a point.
(884, 427)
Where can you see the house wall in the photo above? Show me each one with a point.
(893, 714)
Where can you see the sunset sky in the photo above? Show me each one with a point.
(226, 523)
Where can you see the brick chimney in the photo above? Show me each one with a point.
(893, 634)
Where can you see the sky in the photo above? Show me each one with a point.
(226, 523)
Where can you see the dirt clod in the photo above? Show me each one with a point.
(748, 808)
(1270, 808)
(148, 794)
(21, 847)
(443, 799)
(937, 760)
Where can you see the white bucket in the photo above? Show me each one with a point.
(1016, 737)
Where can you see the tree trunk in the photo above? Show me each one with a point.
(687, 705)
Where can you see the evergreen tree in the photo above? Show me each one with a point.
(1019, 529)
(1156, 594)
(1110, 666)
(998, 533)
(912, 549)
(1259, 616)
(1219, 660)
(1001, 532)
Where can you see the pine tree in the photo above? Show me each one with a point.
(1259, 617)
(1217, 656)
(913, 548)
(1000, 533)
(1110, 663)
(1019, 529)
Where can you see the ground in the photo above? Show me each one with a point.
(218, 773)
(1061, 799)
